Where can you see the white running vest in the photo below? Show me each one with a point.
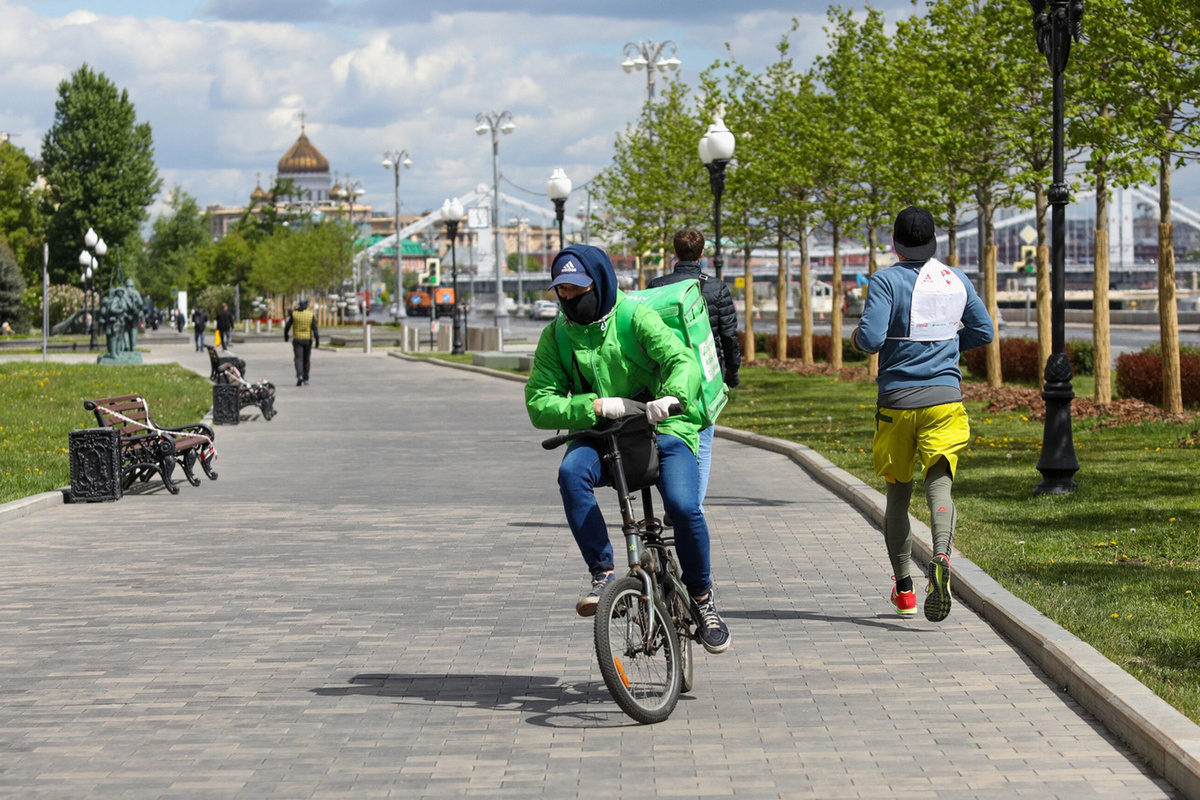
(938, 301)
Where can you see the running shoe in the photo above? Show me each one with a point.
(714, 633)
(586, 607)
(937, 597)
(905, 603)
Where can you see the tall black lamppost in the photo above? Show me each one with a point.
(716, 151)
(452, 211)
(1056, 23)
(559, 189)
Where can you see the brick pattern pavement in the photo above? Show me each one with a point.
(376, 600)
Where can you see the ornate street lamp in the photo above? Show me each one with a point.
(716, 151)
(452, 211)
(1056, 23)
(87, 261)
(96, 273)
(559, 189)
(393, 160)
(497, 123)
(649, 57)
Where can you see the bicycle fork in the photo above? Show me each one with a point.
(641, 560)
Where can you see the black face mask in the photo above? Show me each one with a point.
(581, 309)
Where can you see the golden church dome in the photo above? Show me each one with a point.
(258, 195)
(303, 158)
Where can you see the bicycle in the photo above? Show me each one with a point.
(645, 622)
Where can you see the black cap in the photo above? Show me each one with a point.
(913, 235)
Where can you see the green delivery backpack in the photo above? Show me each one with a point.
(682, 307)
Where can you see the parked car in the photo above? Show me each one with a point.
(543, 309)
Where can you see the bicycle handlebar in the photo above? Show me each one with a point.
(674, 409)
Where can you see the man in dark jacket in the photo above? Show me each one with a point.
(224, 325)
(199, 323)
(722, 316)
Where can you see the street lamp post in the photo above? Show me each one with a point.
(97, 246)
(559, 188)
(716, 150)
(452, 211)
(521, 224)
(88, 262)
(393, 160)
(496, 123)
(1056, 23)
(650, 58)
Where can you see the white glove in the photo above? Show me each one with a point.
(658, 410)
(616, 407)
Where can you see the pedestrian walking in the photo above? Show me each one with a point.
(722, 316)
(302, 326)
(918, 315)
(199, 323)
(224, 325)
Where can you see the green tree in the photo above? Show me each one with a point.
(12, 289)
(654, 185)
(177, 239)
(304, 258)
(99, 166)
(22, 225)
(1162, 38)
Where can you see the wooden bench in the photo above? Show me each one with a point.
(260, 394)
(217, 360)
(148, 449)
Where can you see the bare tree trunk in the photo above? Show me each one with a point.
(1100, 332)
(1042, 277)
(641, 268)
(872, 265)
(835, 312)
(781, 299)
(748, 353)
(1168, 317)
(806, 320)
(952, 235)
(988, 251)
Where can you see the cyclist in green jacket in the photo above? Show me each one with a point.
(580, 375)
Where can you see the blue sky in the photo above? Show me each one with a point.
(223, 82)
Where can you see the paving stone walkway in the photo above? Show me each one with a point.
(376, 600)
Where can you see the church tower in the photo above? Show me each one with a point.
(307, 169)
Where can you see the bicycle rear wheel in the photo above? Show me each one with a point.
(642, 667)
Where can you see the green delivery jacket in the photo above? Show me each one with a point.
(599, 350)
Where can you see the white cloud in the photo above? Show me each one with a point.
(224, 97)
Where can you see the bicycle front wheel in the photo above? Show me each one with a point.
(641, 664)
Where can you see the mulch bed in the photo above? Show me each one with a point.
(1010, 398)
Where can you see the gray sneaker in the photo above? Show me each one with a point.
(586, 607)
(714, 633)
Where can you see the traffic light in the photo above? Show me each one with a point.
(433, 271)
(1028, 262)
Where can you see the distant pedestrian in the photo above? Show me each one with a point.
(199, 323)
(224, 325)
(302, 326)
(179, 322)
(722, 316)
(912, 318)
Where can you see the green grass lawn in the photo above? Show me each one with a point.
(1117, 563)
(41, 402)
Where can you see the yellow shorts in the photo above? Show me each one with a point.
(904, 435)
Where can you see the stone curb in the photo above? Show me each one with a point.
(29, 505)
(1169, 741)
(495, 373)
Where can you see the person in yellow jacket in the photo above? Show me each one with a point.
(302, 326)
(580, 375)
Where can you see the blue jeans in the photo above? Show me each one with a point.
(582, 470)
(706, 440)
(199, 338)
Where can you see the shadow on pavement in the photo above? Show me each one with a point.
(776, 614)
(549, 702)
(762, 502)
